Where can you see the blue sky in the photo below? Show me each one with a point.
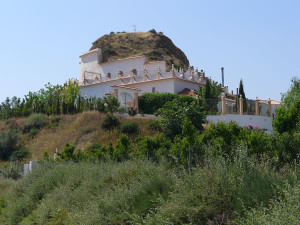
(257, 41)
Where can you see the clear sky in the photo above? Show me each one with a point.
(257, 40)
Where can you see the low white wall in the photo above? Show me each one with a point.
(244, 120)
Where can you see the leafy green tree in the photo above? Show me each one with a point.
(209, 95)
(242, 93)
(287, 116)
(123, 148)
(175, 112)
(69, 95)
(8, 142)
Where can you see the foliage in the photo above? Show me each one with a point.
(68, 153)
(173, 114)
(287, 116)
(110, 122)
(112, 104)
(154, 125)
(129, 127)
(20, 154)
(100, 152)
(123, 148)
(35, 121)
(69, 95)
(153, 31)
(13, 171)
(132, 111)
(149, 103)
(219, 191)
(8, 143)
(283, 210)
(154, 147)
(209, 95)
(242, 93)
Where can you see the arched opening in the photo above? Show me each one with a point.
(134, 71)
(153, 90)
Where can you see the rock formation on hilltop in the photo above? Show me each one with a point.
(155, 46)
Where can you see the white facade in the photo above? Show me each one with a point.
(262, 122)
(96, 79)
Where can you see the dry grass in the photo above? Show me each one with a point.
(81, 130)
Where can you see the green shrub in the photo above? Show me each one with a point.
(149, 103)
(132, 111)
(283, 210)
(175, 112)
(121, 109)
(153, 31)
(129, 127)
(110, 122)
(14, 171)
(154, 147)
(154, 125)
(8, 142)
(221, 136)
(37, 121)
(20, 154)
(33, 132)
(99, 152)
(123, 148)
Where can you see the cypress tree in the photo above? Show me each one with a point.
(242, 93)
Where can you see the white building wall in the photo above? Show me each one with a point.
(89, 63)
(160, 86)
(244, 120)
(179, 85)
(98, 90)
(153, 66)
(123, 65)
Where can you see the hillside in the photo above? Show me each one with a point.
(155, 46)
(81, 129)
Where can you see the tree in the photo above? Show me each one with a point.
(242, 93)
(175, 112)
(209, 95)
(287, 116)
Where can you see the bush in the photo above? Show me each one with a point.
(132, 111)
(12, 172)
(283, 210)
(110, 122)
(37, 121)
(174, 113)
(153, 31)
(100, 152)
(20, 154)
(129, 127)
(154, 125)
(8, 142)
(123, 148)
(149, 103)
(122, 109)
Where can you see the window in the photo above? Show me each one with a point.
(134, 71)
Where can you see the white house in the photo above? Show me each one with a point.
(128, 77)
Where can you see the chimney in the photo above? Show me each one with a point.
(222, 70)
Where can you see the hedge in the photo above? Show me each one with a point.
(149, 103)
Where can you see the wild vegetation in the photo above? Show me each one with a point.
(169, 170)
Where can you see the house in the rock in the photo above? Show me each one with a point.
(129, 77)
